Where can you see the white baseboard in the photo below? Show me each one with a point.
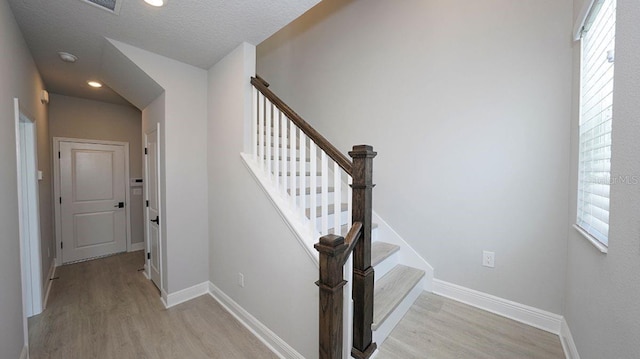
(522, 313)
(49, 284)
(568, 345)
(266, 336)
(25, 352)
(136, 247)
(184, 295)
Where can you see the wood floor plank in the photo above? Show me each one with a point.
(440, 328)
(106, 309)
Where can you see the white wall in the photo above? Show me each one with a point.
(20, 78)
(468, 105)
(87, 119)
(185, 165)
(246, 234)
(602, 291)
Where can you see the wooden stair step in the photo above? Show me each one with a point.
(391, 290)
(381, 251)
(344, 229)
(331, 209)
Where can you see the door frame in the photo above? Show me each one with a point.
(56, 187)
(28, 216)
(147, 235)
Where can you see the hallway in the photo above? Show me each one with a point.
(107, 309)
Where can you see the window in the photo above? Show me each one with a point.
(596, 116)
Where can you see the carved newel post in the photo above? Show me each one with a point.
(331, 283)
(363, 275)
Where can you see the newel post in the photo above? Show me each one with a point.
(363, 276)
(331, 283)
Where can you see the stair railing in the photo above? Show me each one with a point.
(300, 162)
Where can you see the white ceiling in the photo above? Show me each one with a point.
(197, 32)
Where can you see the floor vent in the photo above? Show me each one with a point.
(112, 6)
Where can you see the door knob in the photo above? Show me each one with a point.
(157, 220)
(119, 205)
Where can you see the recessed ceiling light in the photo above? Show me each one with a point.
(95, 84)
(156, 3)
(67, 57)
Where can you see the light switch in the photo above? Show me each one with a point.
(39, 175)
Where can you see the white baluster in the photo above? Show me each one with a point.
(324, 179)
(303, 177)
(254, 123)
(268, 136)
(292, 161)
(349, 201)
(337, 196)
(313, 185)
(283, 127)
(261, 104)
(276, 143)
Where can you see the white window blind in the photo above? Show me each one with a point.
(596, 115)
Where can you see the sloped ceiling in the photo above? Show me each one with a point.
(196, 32)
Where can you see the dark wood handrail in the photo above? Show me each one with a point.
(351, 240)
(314, 135)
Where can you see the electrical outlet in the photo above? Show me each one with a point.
(241, 280)
(488, 259)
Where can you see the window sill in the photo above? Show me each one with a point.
(601, 247)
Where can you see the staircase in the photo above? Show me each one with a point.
(309, 180)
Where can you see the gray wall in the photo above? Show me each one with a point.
(468, 104)
(21, 79)
(87, 119)
(246, 233)
(602, 291)
(184, 171)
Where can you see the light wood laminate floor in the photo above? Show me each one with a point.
(107, 309)
(440, 328)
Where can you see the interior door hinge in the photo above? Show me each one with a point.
(58, 154)
(148, 255)
(145, 151)
(147, 203)
(61, 245)
(60, 200)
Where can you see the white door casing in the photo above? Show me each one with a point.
(152, 212)
(28, 216)
(93, 194)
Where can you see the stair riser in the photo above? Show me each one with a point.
(383, 331)
(387, 264)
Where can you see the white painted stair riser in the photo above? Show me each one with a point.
(385, 328)
(386, 265)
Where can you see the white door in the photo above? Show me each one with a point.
(92, 200)
(152, 216)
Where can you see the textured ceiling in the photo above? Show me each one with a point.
(197, 32)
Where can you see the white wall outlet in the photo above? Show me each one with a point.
(488, 259)
(241, 280)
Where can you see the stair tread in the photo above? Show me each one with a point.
(392, 289)
(381, 251)
(307, 174)
(344, 229)
(331, 209)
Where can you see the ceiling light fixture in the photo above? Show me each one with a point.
(94, 84)
(156, 3)
(67, 57)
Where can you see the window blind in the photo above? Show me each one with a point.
(596, 115)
